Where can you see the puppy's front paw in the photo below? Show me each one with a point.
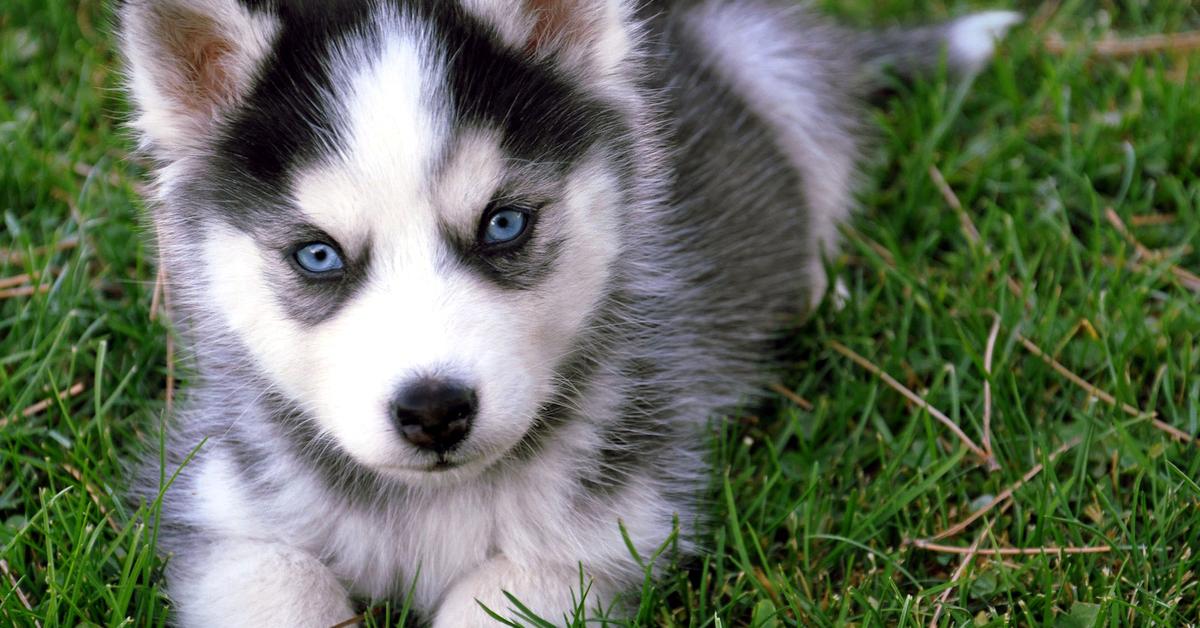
(245, 583)
(552, 594)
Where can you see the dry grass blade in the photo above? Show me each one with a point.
(156, 296)
(170, 393)
(112, 178)
(94, 493)
(42, 405)
(1187, 279)
(1115, 220)
(1011, 551)
(17, 589)
(792, 397)
(958, 574)
(878, 248)
(18, 257)
(18, 280)
(1018, 291)
(988, 353)
(1042, 17)
(23, 291)
(166, 303)
(911, 396)
(1175, 432)
(1004, 495)
(1190, 280)
(969, 229)
(1107, 398)
(1153, 220)
(353, 621)
(1174, 43)
(358, 618)
(23, 280)
(968, 226)
(1077, 380)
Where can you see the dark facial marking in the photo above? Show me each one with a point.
(289, 121)
(307, 298)
(345, 476)
(518, 265)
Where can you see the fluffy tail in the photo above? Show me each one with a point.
(966, 44)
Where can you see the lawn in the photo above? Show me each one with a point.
(1020, 270)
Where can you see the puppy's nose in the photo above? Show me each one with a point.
(434, 414)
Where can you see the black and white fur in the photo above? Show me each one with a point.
(688, 162)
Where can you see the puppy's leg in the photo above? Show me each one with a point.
(249, 583)
(551, 592)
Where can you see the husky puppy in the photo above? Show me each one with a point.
(463, 281)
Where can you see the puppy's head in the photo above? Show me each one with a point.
(401, 213)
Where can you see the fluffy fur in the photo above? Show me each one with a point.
(685, 165)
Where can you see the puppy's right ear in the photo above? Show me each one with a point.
(188, 63)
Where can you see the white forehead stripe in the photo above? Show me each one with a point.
(388, 99)
(391, 109)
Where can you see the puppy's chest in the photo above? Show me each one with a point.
(376, 547)
(379, 545)
(432, 542)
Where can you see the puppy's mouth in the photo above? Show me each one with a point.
(453, 465)
(443, 464)
(440, 466)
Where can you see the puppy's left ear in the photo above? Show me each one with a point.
(593, 37)
(188, 63)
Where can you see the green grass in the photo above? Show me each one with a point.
(812, 509)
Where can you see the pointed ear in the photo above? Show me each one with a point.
(590, 36)
(188, 62)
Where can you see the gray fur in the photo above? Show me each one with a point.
(739, 127)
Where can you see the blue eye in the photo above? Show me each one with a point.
(505, 226)
(318, 258)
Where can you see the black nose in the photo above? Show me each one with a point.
(434, 414)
